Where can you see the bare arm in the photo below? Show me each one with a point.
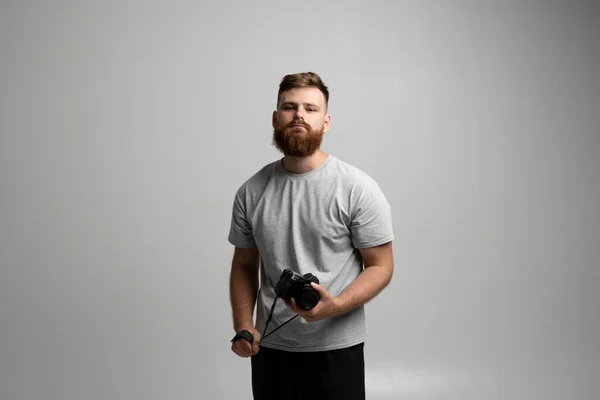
(243, 286)
(379, 267)
(243, 289)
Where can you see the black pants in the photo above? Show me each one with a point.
(323, 375)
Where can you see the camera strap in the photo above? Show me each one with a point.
(269, 320)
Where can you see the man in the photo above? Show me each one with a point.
(312, 213)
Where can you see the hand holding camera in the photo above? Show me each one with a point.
(292, 285)
(327, 306)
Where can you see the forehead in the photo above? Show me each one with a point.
(303, 95)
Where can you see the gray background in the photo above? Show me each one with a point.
(127, 126)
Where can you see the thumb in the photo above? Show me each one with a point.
(256, 336)
(320, 289)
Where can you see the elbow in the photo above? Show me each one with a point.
(389, 273)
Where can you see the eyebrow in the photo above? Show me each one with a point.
(295, 104)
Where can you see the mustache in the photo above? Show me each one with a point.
(298, 122)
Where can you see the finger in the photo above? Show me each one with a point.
(256, 345)
(288, 304)
(237, 351)
(248, 350)
(242, 348)
(240, 352)
(320, 289)
(293, 305)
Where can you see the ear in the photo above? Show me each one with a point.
(274, 119)
(326, 123)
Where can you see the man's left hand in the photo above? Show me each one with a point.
(327, 306)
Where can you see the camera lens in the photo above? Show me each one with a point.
(308, 298)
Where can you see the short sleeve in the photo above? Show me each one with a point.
(240, 231)
(371, 223)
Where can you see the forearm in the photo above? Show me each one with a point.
(243, 289)
(366, 286)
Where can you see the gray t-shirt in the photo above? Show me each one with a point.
(312, 222)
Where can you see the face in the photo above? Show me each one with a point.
(300, 121)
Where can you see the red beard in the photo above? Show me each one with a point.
(294, 141)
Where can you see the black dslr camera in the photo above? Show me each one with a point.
(293, 285)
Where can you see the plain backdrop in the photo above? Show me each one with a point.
(127, 126)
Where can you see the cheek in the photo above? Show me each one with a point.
(282, 118)
(319, 123)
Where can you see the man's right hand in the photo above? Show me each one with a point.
(243, 348)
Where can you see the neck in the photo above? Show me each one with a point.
(302, 165)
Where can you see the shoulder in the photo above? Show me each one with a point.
(358, 187)
(258, 180)
(352, 176)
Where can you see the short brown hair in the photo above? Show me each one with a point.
(302, 80)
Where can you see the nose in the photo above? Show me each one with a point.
(299, 113)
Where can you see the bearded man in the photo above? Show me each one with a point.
(306, 214)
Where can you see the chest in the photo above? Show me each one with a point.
(301, 211)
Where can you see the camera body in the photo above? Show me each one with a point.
(296, 286)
